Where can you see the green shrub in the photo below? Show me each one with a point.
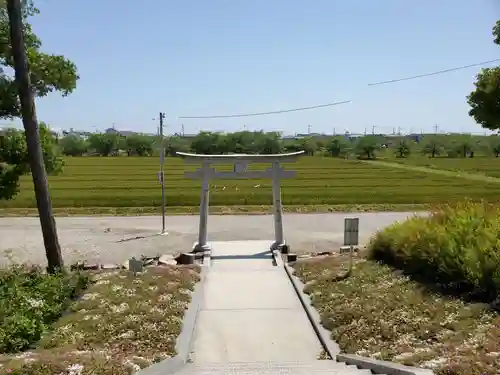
(457, 246)
(30, 301)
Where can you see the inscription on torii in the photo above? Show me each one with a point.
(240, 171)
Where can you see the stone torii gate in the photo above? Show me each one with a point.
(241, 162)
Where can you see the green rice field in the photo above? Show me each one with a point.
(133, 182)
(486, 166)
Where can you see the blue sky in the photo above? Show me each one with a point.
(218, 57)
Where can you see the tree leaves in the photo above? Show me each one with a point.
(48, 73)
(496, 33)
(14, 158)
(485, 99)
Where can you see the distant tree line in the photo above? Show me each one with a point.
(246, 142)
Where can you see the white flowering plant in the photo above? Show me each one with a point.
(381, 313)
(30, 301)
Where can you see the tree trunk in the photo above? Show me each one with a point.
(35, 153)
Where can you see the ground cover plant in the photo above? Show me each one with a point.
(30, 301)
(479, 165)
(120, 324)
(133, 182)
(381, 313)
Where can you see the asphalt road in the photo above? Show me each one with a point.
(116, 239)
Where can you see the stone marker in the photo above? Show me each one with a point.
(135, 266)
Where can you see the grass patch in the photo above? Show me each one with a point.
(120, 324)
(485, 166)
(383, 314)
(468, 174)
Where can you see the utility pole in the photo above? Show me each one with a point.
(436, 128)
(32, 132)
(162, 173)
(182, 130)
(309, 129)
(373, 130)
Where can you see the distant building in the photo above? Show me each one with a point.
(416, 137)
(78, 133)
(127, 133)
(188, 136)
(123, 133)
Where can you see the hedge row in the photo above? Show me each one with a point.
(457, 246)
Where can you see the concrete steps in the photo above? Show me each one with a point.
(273, 368)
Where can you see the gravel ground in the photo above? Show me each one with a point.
(116, 239)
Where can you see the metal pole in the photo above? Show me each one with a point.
(162, 174)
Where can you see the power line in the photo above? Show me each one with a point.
(433, 73)
(267, 113)
(344, 102)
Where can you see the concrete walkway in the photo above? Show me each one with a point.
(250, 311)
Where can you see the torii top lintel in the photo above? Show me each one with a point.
(235, 158)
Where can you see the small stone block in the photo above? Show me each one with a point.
(186, 258)
(291, 258)
(91, 266)
(149, 259)
(167, 259)
(323, 253)
(78, 266)
(109, 266)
